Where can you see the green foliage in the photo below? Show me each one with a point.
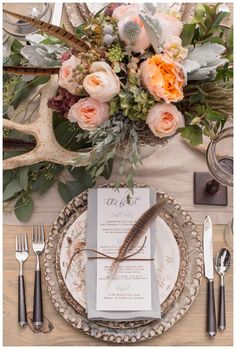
(115, 53)
(193, 134)
(16, 46)
(12, 188)
(213, 115)
(51, 40)
(21, 92)
(24, 208)
(188, 33)
(22, 176)
(208, 23)
(134, 102)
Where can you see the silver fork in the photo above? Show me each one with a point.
(38, 247)
(22, 253)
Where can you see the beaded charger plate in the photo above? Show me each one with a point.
(173, 308)
(166, 261)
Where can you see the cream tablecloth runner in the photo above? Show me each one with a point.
(170, 169)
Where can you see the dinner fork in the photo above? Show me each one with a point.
(38, 247)
(21, 256)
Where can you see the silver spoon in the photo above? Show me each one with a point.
(222, 266)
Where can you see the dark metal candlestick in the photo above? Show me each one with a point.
(207, 191)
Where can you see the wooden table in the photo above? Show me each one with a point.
(190, 330)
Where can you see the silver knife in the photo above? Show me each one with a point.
(209, 270)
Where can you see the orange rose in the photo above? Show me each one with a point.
(89, 113)
(164, 119)
(163, 78)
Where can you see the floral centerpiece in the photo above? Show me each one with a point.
(143, 76)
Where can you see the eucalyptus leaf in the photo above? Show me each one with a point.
(44, 184)
(22, 175)
(8, 175)
(12, 188)
(16, 46)
(39, 80)
(65, 192)
(23, 208)
(108, 169)
(21, 92)
(76, 187)
(64, 132)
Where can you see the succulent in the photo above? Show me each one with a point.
(108, 39)
(115, 54)
(131, 31)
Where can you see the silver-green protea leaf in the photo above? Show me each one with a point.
(131, 31)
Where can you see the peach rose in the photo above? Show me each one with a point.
(170, 26)
(142, 42)
(89, 113)
(125, 10)
(174, 49)
(164, 119)
(67, 76)
(163, 78)
(102, 84)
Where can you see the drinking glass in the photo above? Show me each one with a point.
(18, 28)
(220, 157)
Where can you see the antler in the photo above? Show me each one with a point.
(47, 148)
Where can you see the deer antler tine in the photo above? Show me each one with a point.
(47, 147)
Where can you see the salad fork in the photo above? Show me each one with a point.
(21, 255)
(38, 247)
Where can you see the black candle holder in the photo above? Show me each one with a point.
(207, 191)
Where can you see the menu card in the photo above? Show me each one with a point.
(132, 294)
(130, 289)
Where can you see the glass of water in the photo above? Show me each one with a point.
(220, 157)
(18, 28)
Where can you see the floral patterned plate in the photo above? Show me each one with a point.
(166, 256)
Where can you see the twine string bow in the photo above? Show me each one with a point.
(106, 256)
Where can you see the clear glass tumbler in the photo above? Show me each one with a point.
(220, 157)
(18, 28)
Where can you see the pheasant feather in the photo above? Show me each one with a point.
(136, 233)
(70, 39)
(14, 144)
(19, 70)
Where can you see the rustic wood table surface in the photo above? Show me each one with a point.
(166, 171)
(190, 330)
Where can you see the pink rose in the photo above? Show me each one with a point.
(141, 43)
(102, 83)
(125, 10)
(164, 119)
(89, 113)
(67, 75)
(174, 49)
(170, 26)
